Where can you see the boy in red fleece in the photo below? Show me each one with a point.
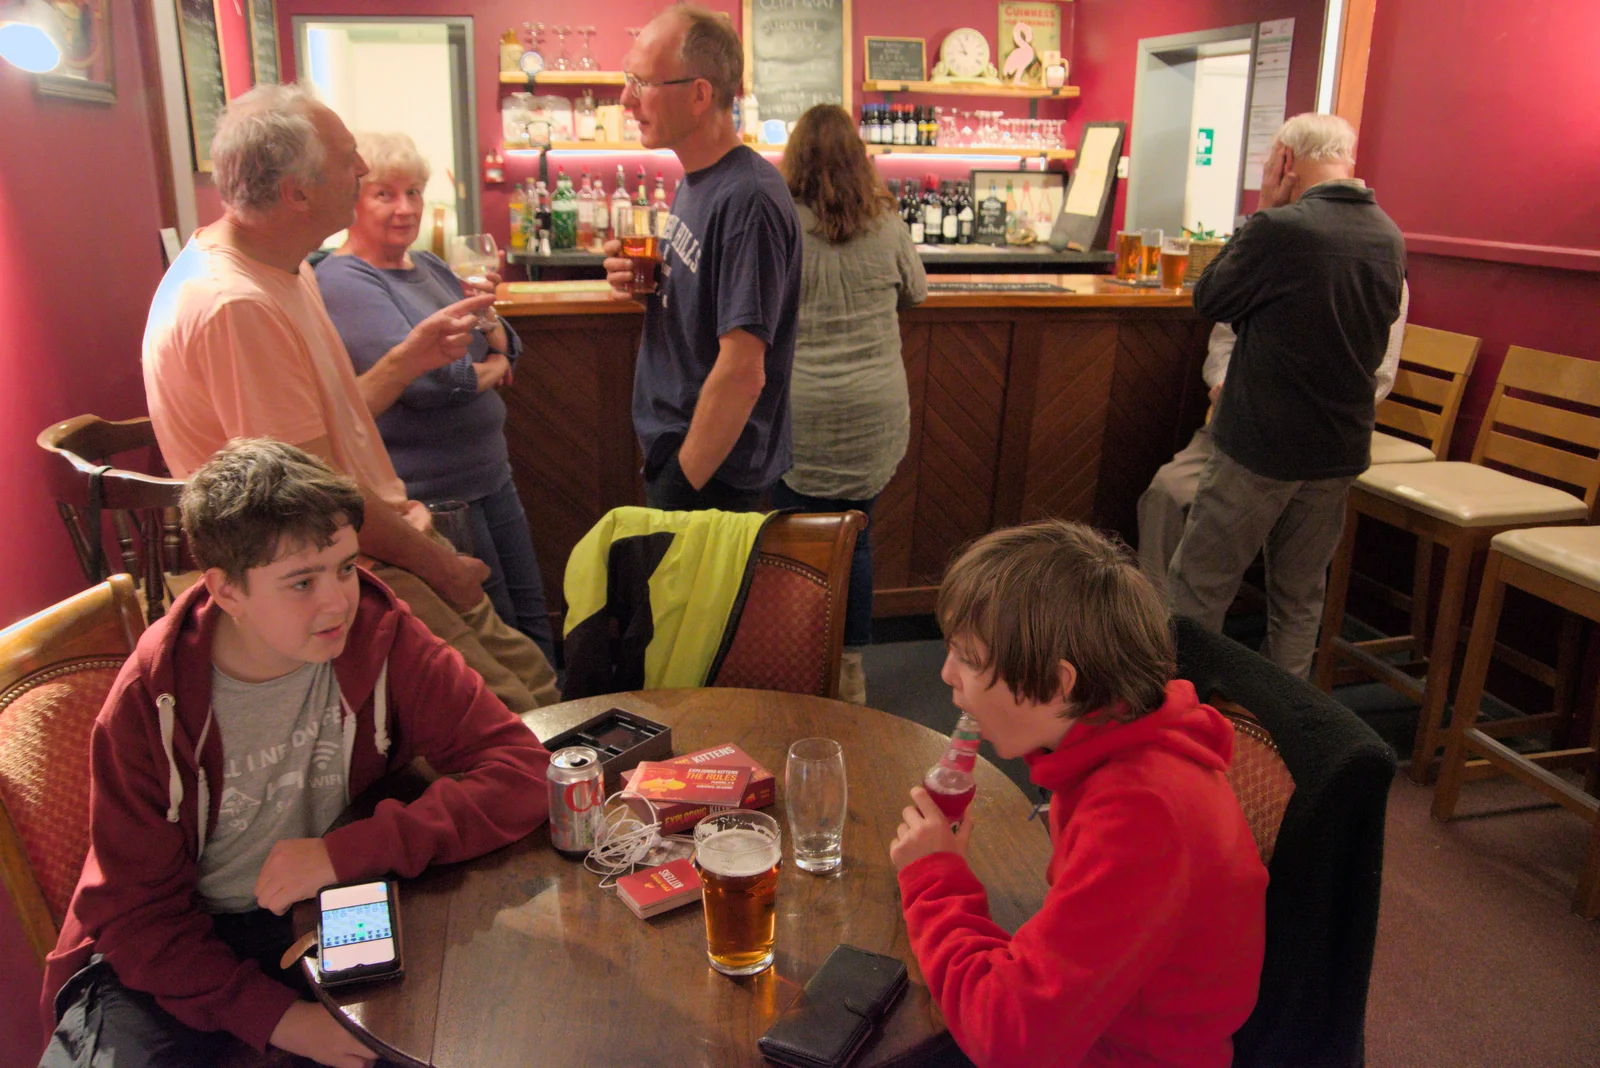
(1147, 950)
(281, 686)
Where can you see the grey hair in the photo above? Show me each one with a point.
(392, 155)
(712, 50)
(264, 136)
(1311, 135)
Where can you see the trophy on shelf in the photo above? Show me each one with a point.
(964, 57)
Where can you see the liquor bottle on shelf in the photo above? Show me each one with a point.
(641, 207)
(564, 214)
(897, 125)
(927, 128)
(543, 220)
(964, 213)
(950, 782)
(659, 208)
(866, 124)
(880, 124)
(894, 192)
(621, 208)
(949, 231)
(911, 211)
(993, 208)
(585, 117)
(519, 214)
(585, 213)
(932, 212)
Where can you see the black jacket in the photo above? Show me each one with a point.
(1327, 869)
(1311, 289)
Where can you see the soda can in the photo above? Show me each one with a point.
(577, 800)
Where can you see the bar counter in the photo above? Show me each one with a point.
(1025, 403)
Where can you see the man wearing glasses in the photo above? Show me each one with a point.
(711, 388)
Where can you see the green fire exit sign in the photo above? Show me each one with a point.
(1204, 138)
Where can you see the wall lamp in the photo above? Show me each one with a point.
(30, 35)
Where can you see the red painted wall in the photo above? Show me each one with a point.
(1482, 121)
(79, 259)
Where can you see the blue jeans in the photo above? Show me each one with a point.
(858, 605)
(515, 587)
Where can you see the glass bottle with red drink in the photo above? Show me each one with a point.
(950, 782)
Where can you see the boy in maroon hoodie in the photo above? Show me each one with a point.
(274, 691)
(1148, 948)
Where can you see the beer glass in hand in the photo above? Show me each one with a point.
(644, 251)
(473, 257)
(738, 853)
(453, 521)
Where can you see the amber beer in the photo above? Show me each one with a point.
(738, 853)
(1151, 267)
(644, 251)
(1129, 255)
(1174, 262)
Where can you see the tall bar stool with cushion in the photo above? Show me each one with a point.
(1529, 429)
(1415, 421)
(144, 508)
(791, 632)
(1562, 566)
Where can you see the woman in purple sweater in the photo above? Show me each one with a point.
(446, 430)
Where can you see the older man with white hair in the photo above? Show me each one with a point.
(239, 344)
(1311, 285)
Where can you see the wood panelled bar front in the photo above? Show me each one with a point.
(1023, 405)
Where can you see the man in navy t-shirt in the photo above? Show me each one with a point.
(711, 388)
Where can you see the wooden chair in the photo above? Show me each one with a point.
(144, 508)
(1326, 866)
(1416, 419)
(1531, 429)
(791, 631)
(1562, 566)
(55, 671)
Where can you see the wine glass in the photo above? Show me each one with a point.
(967, 137)
(586, 60)
(472, 257)
(562, 60)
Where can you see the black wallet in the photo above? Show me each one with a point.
(837, 1011)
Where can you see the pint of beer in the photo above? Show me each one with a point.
(738, 853)
(644, 251)
(1174, 261)
(1130, 255)
(1149, 270)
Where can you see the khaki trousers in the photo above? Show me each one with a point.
(1236, 513)
(1164, 506)
(513, 668)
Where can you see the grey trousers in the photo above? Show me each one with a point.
(1237, 512)
(1164, 507)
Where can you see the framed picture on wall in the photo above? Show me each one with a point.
(264, 41)
(202, 74)
(85, 72)
(1032, 201)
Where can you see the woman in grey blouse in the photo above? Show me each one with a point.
(445, 430)
(847, 397)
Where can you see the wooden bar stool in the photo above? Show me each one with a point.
(1461, 507)
(1418, 416)
(1560, 565)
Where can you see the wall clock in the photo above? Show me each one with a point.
(964, 56)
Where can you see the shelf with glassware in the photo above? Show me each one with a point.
(995, 89)
(562, 77)
(975, 151)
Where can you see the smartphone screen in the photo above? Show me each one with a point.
(357, 928)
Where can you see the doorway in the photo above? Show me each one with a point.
(1191, 107)
(411, 75)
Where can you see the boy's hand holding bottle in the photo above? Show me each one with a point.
(925, 829)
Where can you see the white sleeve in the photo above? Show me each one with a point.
(1218, 351)
(1397, 337)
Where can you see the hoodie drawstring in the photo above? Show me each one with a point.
(166, 712)
(203, 790)
(380, 712)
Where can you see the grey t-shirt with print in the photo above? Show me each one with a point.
(283, 775)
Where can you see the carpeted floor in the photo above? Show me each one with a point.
(1480, 960)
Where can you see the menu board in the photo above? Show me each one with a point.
(264, 42)
(202, 74)
(897, 59)
(796, 55)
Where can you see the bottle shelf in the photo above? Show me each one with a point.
(940, 150)
(1066, 92)
(563, 77)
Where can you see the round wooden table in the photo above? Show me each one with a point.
(519, 958)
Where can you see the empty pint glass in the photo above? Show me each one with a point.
(738, 853)
(644, 251)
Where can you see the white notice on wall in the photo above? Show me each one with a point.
(1269, 95)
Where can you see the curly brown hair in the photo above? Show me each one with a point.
(828, 171)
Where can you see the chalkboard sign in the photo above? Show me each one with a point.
(989, 226)
(264, 42)
(796, 55)
(897, 59)
(202, 74)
